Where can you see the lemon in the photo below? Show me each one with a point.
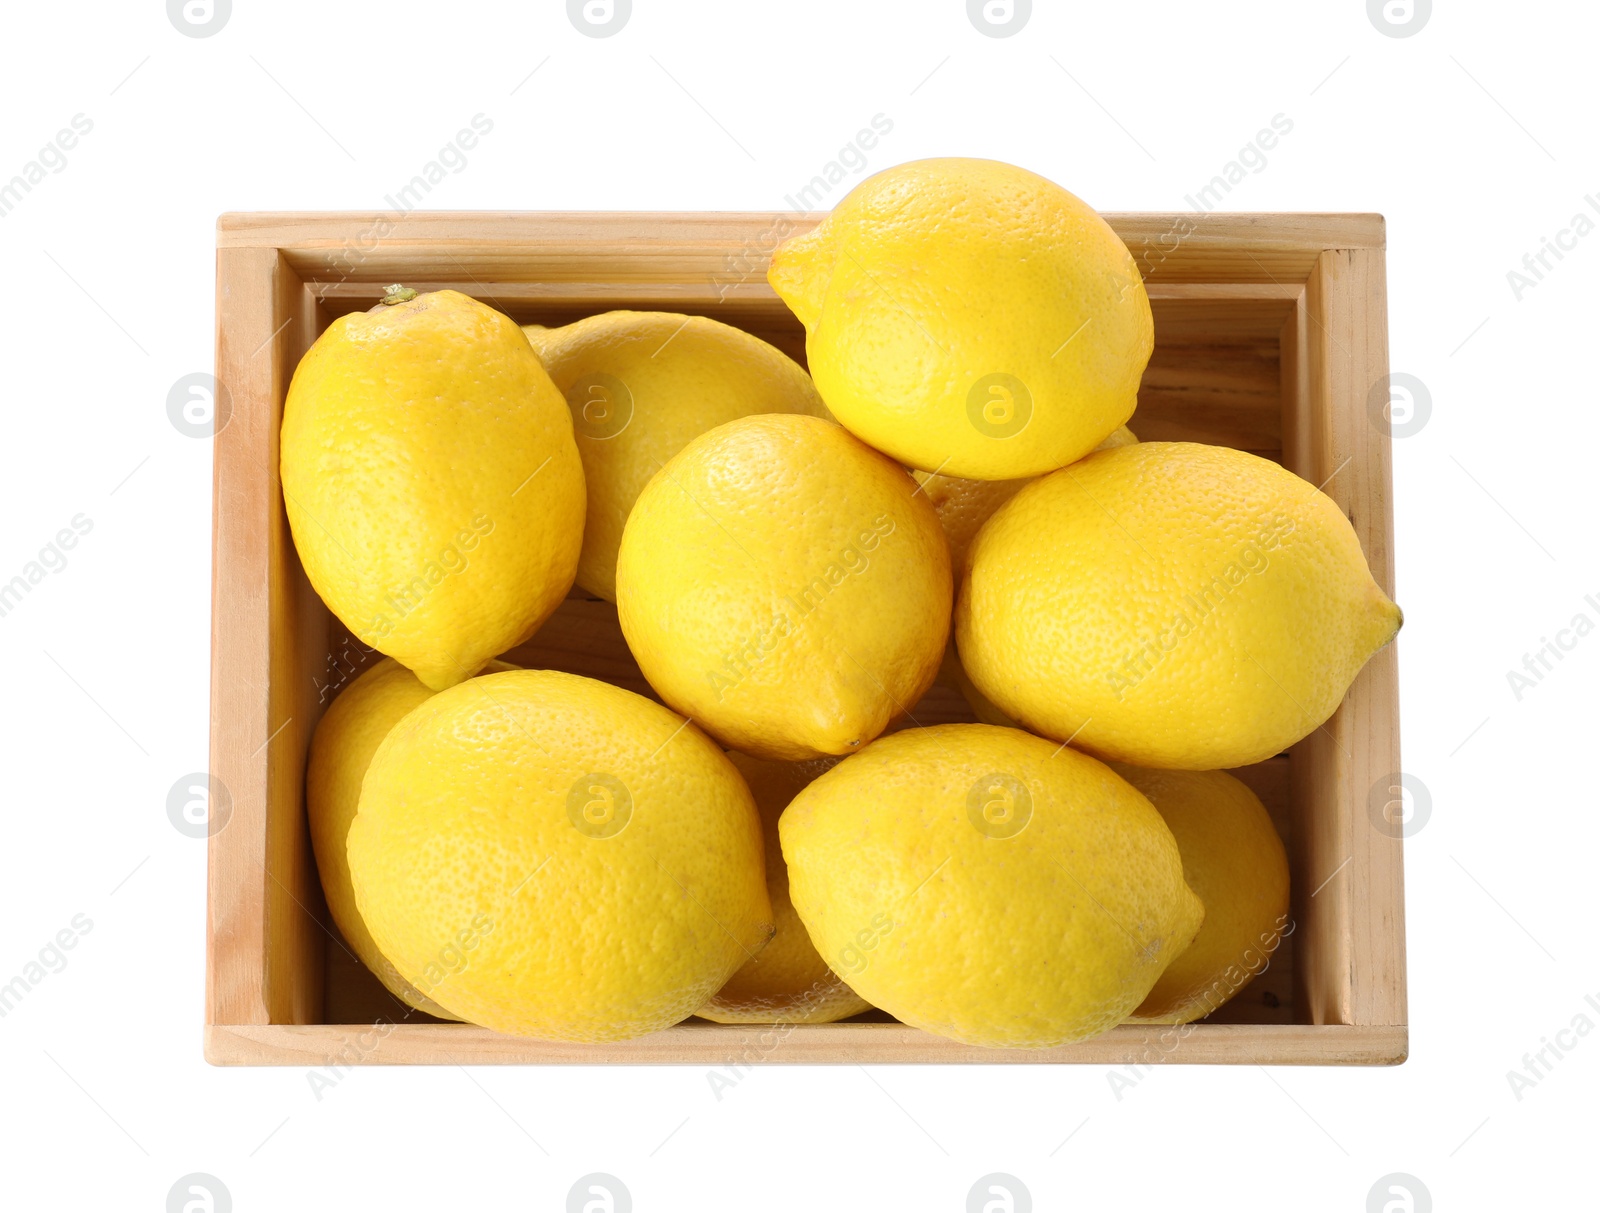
(988, 885)
(785, 586)
(964, 506)
(432, 483)
(536, 335)
(342, 747)
(980, 704)
(1235, 861)
(1121, 436)
(1170, 604)
(787, 982)
(642, 384)
(969, 318)
(555, 857)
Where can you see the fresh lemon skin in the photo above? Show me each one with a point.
(964, 506)
(785, 586)
(1170, 604)
(537, 335)
(786, 982)
(432, 483)
(1235, 862)
(554, 857)
(346, 738)
(1121, 436)
(988, 885)
(969, 318)
(641, 385)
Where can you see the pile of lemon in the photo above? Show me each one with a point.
(791, 556)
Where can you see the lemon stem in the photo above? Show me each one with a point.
(396, 293)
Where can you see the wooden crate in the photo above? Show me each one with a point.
(1271, 332)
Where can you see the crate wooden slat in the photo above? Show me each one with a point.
(707, 1044)
(1360, 926)
(1270, 332)
(676, 247)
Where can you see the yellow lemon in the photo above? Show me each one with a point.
(785, 586)
(1121, 436)
(964, 506)
(1170, 604)
(642, 384)
(342, 747)
(988, 885)
(787, 982)
(969, 318)
(432, 483)
(536, 335)
(555, 857)
(1235, 861)
(981, 706)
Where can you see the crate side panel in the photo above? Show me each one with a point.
(249, 315)
(1353, 294)
(705, 1044)
(1353, 916)
(554, 246)
(1298, 454)
(1319, 766)
(299, 646)
(1225, 394)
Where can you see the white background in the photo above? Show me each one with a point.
(1474, 136)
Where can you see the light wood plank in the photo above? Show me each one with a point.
(705, 1044)
(251, 288)
(1227, 394)
(1352, 915)
(508, 247)
(268, 630)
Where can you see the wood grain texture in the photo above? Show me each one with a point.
(1350, 897)
(248, 302)
(706, 1044)
(1270, 331)
(264, 944)
(235, 925)
(667, 248)
(1227, 394)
